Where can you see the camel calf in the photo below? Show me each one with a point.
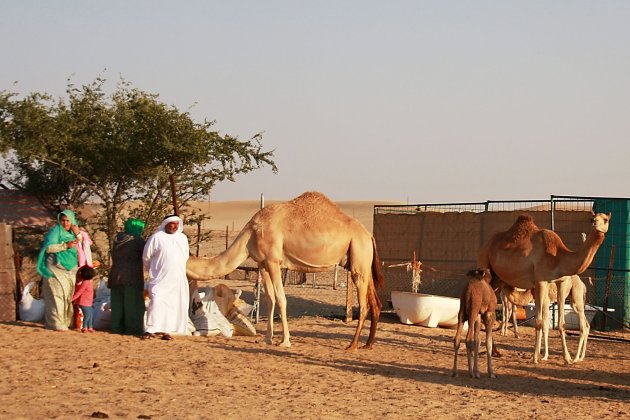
(478, 302)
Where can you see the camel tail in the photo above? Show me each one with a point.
(377, 275)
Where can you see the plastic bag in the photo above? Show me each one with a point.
(102, 315)
(31, 309)
(207, 317)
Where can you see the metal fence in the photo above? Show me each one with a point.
(446, 238)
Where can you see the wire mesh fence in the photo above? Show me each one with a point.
(446, 239)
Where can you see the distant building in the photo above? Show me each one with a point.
(22, 210)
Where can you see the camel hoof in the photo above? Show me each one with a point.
(284, 344)
(492, 375)
(351, 348)
(454, 374)
(268, 340)
(366, 347)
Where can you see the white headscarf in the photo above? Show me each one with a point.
(169, 219)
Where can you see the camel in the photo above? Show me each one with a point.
(308, 234)
(528, 257)
(478, 302)
(573, 287)
(510, 298)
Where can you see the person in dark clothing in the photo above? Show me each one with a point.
(126, 280)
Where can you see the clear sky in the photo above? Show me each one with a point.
(419, 101)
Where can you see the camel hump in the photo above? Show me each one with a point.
(522, 228)
(310, 196)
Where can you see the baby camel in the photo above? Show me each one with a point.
(478, 302)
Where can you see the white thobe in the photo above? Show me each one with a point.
(165, 256)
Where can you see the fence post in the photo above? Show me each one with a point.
(611, 264)
(226, 244)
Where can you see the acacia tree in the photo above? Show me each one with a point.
(114, 149)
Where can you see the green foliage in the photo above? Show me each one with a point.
(115, 149)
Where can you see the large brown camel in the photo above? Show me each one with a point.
(308, 234)
(528, 257)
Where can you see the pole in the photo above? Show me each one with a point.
(226, 243)
(198, 236)
(608, 281)
(259, 278)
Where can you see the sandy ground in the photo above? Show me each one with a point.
(48, 374)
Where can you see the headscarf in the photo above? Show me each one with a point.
(68, 258)
(172, 218)
(134, 226)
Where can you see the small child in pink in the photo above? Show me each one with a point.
(84, 295)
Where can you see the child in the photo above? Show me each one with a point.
(84, 295)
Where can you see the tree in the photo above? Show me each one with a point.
(116, 149)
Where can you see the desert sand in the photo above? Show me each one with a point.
(48, 374)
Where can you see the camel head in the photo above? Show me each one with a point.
(480, 274)
(600, 222)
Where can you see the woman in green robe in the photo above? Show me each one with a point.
(57, 264)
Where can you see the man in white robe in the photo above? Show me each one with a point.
(165, 255)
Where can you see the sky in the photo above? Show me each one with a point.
(409, 101)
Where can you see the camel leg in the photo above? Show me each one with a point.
(488, 319)
(505, 313)
(508, 311)
(542, 314)
(270, 298)
(515, 321)
(584, 331)
(546, 323)
(470, 342)
(276, 280)
(564, 286)
(578, 301)
(375, 313)
(456, 343)
(360, 281)
(472, 346)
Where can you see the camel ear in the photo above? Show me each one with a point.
(609, 216)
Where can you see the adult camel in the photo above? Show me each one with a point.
(528, 257)
(308, 234)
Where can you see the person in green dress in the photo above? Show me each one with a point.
(126, 280)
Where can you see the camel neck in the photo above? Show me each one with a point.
(583, 257)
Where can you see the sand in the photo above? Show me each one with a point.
(48, 374)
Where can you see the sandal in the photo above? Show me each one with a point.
(147, 336)
(167, 337)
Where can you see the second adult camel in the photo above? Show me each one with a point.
(528, 257)
(308, 234)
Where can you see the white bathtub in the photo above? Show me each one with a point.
(425, 310)
(570, 317)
